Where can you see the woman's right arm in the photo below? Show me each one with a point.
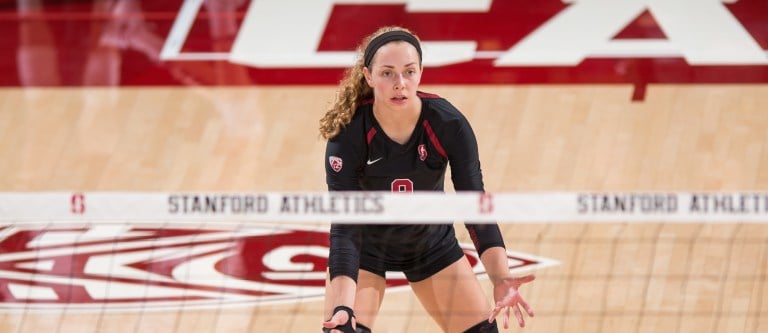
(343, 266)
(341, 169)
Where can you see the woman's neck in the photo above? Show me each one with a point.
(398, 124)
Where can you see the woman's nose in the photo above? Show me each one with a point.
(399, 81)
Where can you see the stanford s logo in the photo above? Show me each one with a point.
(132, 268)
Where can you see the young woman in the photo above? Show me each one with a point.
(385, 135)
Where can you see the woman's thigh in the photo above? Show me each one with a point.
(453, 297)
(370, 293)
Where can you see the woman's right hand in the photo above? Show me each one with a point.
(340, 318)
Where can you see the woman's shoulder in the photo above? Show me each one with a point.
(439, 108)
(356, 128)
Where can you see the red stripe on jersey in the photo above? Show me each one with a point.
(370, 135)
(433, 138)
(426, 95)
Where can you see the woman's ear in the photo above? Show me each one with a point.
(367, 75)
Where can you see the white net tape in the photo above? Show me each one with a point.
(384, 207)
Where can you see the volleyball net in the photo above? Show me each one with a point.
(685, 261)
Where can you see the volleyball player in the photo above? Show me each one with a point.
(385, 135)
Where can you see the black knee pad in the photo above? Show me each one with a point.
(484, 327)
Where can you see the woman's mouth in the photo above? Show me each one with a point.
(398, 99)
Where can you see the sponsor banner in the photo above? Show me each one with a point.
(55, 266)
(386, 207)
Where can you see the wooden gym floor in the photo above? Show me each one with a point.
(649, 277)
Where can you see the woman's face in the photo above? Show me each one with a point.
(394, 74)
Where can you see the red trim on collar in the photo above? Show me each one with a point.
(426, 95)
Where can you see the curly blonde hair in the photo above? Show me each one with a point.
(353, 89)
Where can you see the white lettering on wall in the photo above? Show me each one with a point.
(286, 34)
(704, 32)
(282, 33)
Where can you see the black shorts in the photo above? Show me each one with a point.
(419, 251)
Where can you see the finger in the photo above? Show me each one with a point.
(495, 312)
(519, 315)
(493, 315)
(527, 307)
(333, 322)
(506, 318)
(525, 279)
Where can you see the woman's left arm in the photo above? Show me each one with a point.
(467, 176)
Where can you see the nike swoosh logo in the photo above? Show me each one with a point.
(369, 162)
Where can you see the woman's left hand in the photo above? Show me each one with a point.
(506, 295)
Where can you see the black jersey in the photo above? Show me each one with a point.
(363, 158)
